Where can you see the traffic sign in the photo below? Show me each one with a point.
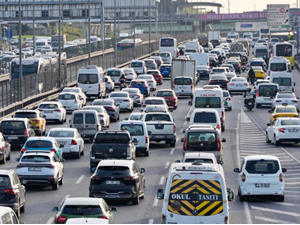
(278, 14)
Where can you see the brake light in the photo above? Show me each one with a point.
(278, 101)
(53, 150)
(295, 101)
(231, 84)
(184, 144)
(126, 100)
(23, 150)
(129, 178)
(103, 217)
(75, 101)
(50, 166)
(26, 133)
(144, 106)
(219, 144)
(228, 99)
(20, 165)
(146, 139)
(175, 129)
(61, 219)
(1, 149)
(80, 96)
(76, 85)
(57, 110)
(138, 96)
(243, 177)
(111, 109)
(218, 127)
(35, 121)
(74, 142)
(281, 177)
(257, 94)
(10, 191)
(246, 84)
(282, 130)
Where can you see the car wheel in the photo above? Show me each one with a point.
(82, 153)
(276, 143)
(61, 182)
(267, 139)
(230, 108)
(18, 212)
(175, 107)
(146, 153)
(281, 198)
(22, 210)
(242, 198)
(8, 157)
(172, 145)
(77, 156)
(3, 161)
(257, 105)
(136, 200)
(55, 186)
(62, 121)
(223, 128)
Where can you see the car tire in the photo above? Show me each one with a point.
(55, 186)
(267, 139)
(82, 153)
(281, 198)
(8, 157)
(173, 144)
(136, 200)
(22, 209)
(91, 169)
(146, 153)
(222, 128)
(61, 182)
(276, 143)
(61, 122)
(175, 107)
(242, 198)
(257, 105)
(77, 156)
(230, 109)
(18, 212)
(3, 161)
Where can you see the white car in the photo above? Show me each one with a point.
(103, 115)
(154, 101)
(286, 98)
(227, 100)
(70, 139)
(130, 74)
(261, 175)
(70, 101)
(122, 99)
(136, 95)
(77, 90)
(283, 129)
(230, 75)
(42, 168)
(156, 108)
(53, 111)
(238, 84)
(150, 79)
(110, 84)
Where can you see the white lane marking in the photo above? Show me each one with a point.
(291, 174)
(172, 151)
(292, 183)
(167, 165)
(155, 202)
(286, 204)
(162, 180)
(285, 160)
(291, 178)
(51, 220)
(247, 213)
(272, 220)
(79, 179)
(181, 130)
(293, 170)
(185, 122)
(151, 221)
(285, 191)
(275, 211)
(177, 139)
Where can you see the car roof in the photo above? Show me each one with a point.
(165, 90)
(50, 102)
(28, 110)
(63, 129)
(199, 155)
(38, 152)
(132, 122)
(258, 157)
(154, 98)
(285, 106)
(5, 172)
(82, 201)
(112, 162)
(16, 119)
(41, 138)
(205, 110)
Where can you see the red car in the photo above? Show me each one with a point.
(170, 97)
(157, 76)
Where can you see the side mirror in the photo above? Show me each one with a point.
(220, 162)
(61, 146)
(17, 159)
(230, 195)
(149, 132)
(177, 161)
(143, 170)
(236, 170)
(284, 170)
(160, 194)
(188, 119)
(55, 209)
(223, 140)
(113, 209)
(268, 124)
(190, 103)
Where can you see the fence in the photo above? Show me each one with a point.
(35, 84)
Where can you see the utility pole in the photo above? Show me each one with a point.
(171, 20)
(89, 21)
(59, 46)
(149, 14)
(134, 44)
(33, 26)
(62, 21)
(20, 56)
(115, 33)
(228, 6)
(102, 26)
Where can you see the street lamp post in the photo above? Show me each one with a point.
(89, 21)
(59, 45)
(20, 56)
(134, 44)
(102, 27)
(33, 26)
(171, 18)
(115, 33)
(149, 14)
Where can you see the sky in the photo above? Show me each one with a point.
(249, 5)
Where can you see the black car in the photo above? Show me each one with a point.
(215, 43)
(12, 192)
(218, 79)
(118, 179)
(203, 73)
(17, 131)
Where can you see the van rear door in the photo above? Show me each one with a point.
(183, 86)
(89, 83)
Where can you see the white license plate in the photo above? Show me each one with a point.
(266, 99)
(293, 130)
(34, 169)
(12, 138)
(68, 107)
(250, 103)
(262, 185)
(63, 142)
(113, 182)
(239, 85)
(48, 111)
(159, 136)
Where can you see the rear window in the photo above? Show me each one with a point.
(35, 159)
(285, 110)
(218, 70)
(48, 106)
(164, 94)
(133, 129)
(136, 117)
(257, 63)
(112, 170)
(4, 181)
(12, 125)
(278, 67)
(285, 96)
(164, 54)
(39, 144)
(199, 160)
(267, 91)
(90, 119)
(157, 117)
(154, 102)
(78, 119)
(112, 138)
(138, 83)
(205, 117)
(290, 122)
(183, 81)
(166, 42)
(102, 103)
(208, 102)
(136, 64)
(225, 94)
(88, 78)
(25, 115)
(165, 67)
(113, 95)
(113, 73)
(262, 166)
(82, 210)
(66, 97)
(61, 133)
(283, 81)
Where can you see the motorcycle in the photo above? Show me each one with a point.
(250, 103)
(123, 84)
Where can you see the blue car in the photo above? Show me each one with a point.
(42, 144)
(142, 85)
(165, 70)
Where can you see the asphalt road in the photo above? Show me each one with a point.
(245, 136)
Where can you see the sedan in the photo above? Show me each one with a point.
(5, 149)
(77, 90)
(70, 101)
(259, 72)
(286, 98)
(123, 100)
(70, 139)
(158, 60)
(238, 84)
(150, 79)
(110, 84)
(142, 85)
(136, 116)
(150, 64)
(203, 72)
(157, 76)
(283, 129)
(156, 108)
(227, 100)
(102, 113)
(218, 79)
(284, 111)
(53, 111)
(136, 95)
(111, 108)
(170, 97)
(130, 74)
(165, 70)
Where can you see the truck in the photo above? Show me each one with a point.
(55, 41)
(111, 145)
(183, 68)
(202, 38)
(214, 35)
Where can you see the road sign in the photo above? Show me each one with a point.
(278, 14)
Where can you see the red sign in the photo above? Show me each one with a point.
(233, 16)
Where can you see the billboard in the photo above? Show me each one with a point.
(233, 16)
(250, 26)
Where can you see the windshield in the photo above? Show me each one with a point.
(27, 69)
(267, 91)
(109, 171)
(136, 117)
(278, 67)
(285, 110)
(115, 95)
(39, 144)
(183, 81)
(88, 78)
(112, 138)
(283, 81)
(74, 90)
(262, 166)
(58, 133)
(202, 140)
(290, 122)
(205, 117)
(133, 129)
(208, 102)
(261, 50)
(102, 103)
(26, 115)
(82, 210)
(284, 50)
(164, 54)
(285, 96)
(154, 102)
(66, 97)
(157, 117)
(35, 159)
(199, 160)
(136, 64)
(164, 94)
(48, 106)
(167, 42)
(113, 73)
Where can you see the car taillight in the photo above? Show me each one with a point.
(26, 133)
(257, 94)
(50, 166)
(76, 85)
(282, 130)
(146, 139)
(246, 84)
(144, 106)
(175, 129)
(295, 101)
(53, 150)
(278, 101)
(57, 110)
(41, 110)
(281, 177)
(20, 165)
(184, 144)
(110, 109)
(80, 96)
(129, 178)
(218, 127)
(103, 217)
(219, 145)
(10, 191)
(243, 177)
(75, 101)
(23, 150)
(228, 99)
(61, 219)
(74, 142)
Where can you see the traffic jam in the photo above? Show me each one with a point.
(200, 102)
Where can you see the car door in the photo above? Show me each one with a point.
(271, 129)
(18, 186)
(138, 180)
(58, 166)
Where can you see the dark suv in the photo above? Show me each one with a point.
(118, 179)
(12, 192)
(17, 131)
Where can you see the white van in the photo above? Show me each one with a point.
(166, 57)
(202, 59)
(8, 216)
(209, 98)
(192, 46)
(265, 94)
(91, 80)
(115, 74)
(87, 123)
(139, 66)
(206, 116)
(184, 86)
(138, 131)
(279, 64)
(285, 80)
(187, 198)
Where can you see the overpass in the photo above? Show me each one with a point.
(193, 4)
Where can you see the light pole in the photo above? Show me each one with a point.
(102, 26)
(59, 46)
(134, 37)
(171, 18)
(149, 14)
(115, 33)
(89, 40)
(20, 56)
(33, 26)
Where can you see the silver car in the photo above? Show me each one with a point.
(285, 98)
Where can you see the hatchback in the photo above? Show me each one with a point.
(70, 101)
(170, 97)
(122, 99)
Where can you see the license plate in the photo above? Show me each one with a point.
(12, 138)
(48, 111)
(293, 130)
(250, 103)
(239, 85)
(63, 142)
(266, 99)
(68, 107)
(159, 136)
(113, 182)
(262, 185)
(34, 169)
